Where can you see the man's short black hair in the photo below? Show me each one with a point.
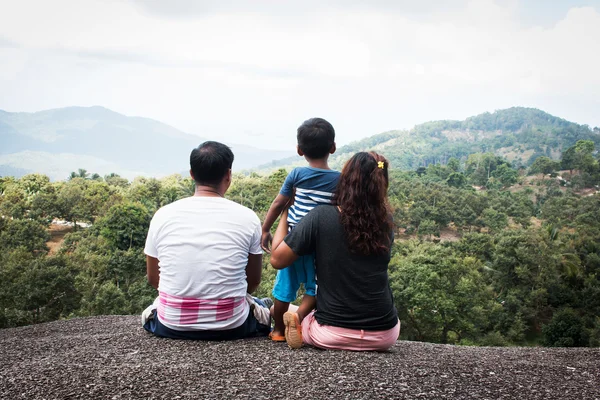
(210, 162)
(315, 137)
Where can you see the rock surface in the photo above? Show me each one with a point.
(114, 358)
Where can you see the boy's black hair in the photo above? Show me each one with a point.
(210, 162)
(315, 138)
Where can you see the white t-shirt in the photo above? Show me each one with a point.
(202, 244)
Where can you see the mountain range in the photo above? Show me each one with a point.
(518, 134)
(55, 142)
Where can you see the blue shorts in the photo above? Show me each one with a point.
(288, 280)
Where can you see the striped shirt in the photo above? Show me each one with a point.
(313, 186)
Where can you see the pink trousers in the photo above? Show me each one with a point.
(335, 338)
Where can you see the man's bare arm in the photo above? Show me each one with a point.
(253, 272)
(152, 271)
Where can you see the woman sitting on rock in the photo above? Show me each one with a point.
(351, 241)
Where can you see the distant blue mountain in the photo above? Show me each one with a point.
(107, 140)
(7, 170)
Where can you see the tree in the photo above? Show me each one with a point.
(146, 191)
(81, 173)
(494, 220)
(125, 266)
(17, 197)
(479, 167)
(438, 293)
(113, 179)
(35, 289)
(255, 191)
(429, 228)
(584, 160)
(525, 266)
(568, 159)
(26, 233)
(98, 197)
(565, 330)
(580, 157)
(478, 245)
(175, 187)
(456, 179)
(70, 201)
(13, 202)
(108, 300)
(543, 165)
(453, 164)
(506, 175)
(44, 206)
(521, 209)
(125, 225)
(33, 184)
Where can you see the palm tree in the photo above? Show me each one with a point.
(81, 173)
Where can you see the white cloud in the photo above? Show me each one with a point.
(227, 69)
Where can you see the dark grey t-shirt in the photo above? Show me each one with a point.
(353, 290)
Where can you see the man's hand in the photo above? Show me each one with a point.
(265, 242)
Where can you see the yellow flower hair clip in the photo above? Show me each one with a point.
(380, 164)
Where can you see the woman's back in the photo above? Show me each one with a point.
(351, 242)
(353, 289)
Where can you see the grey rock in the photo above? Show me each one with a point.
(114, 358)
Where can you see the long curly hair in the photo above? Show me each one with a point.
(361, 195)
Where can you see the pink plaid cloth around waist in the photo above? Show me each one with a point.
(179, 310)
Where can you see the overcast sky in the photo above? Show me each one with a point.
(251, 71)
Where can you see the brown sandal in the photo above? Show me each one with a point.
(293, 330)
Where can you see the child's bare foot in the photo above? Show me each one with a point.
(279, 308)
(277, 336)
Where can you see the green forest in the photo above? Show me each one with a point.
(487, 252)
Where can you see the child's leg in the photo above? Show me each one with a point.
(285, 290)
(308, 304)
(279, 308)
(309, 278)
(293, 319)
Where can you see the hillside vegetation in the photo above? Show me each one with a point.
(524, 267)
(518, 134)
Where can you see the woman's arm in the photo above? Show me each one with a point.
(281, 255)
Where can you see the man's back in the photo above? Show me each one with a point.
(203, 245)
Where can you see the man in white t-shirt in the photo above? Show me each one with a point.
(203, 254)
